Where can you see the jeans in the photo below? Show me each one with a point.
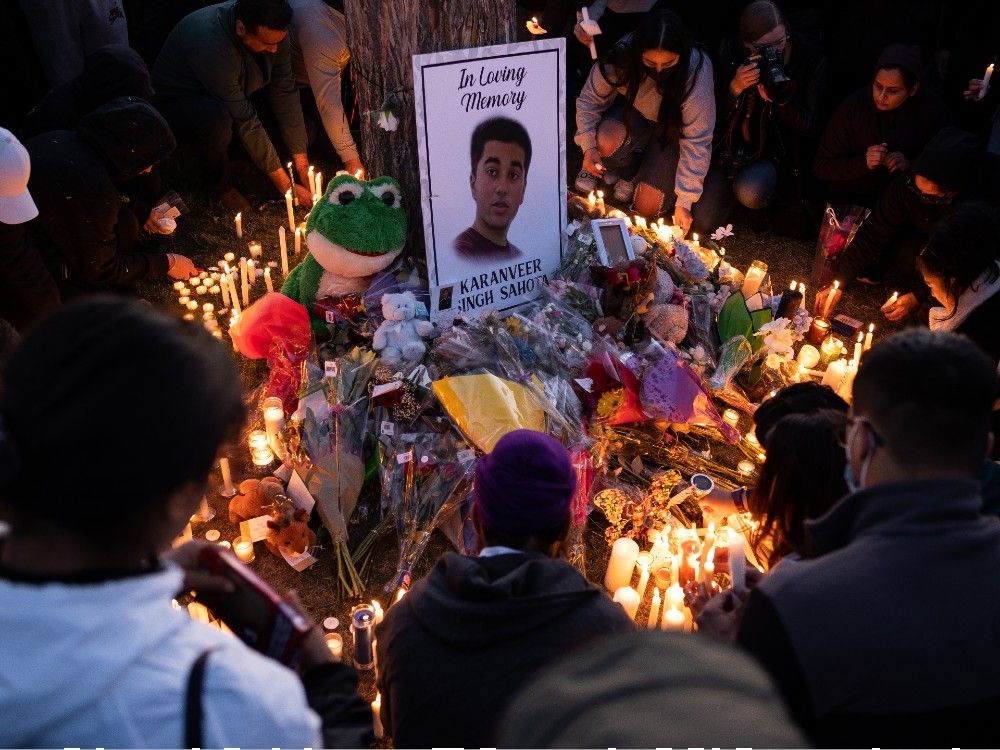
(753, 186)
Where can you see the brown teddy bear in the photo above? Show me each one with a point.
(256, 498)
(288, 531)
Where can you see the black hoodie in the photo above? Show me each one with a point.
(108, 73)
(73, 181)
(460, 645)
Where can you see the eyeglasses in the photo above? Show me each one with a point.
(933, 200)
(843, 431)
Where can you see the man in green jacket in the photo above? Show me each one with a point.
(211, 64)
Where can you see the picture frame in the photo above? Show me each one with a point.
(614, 244)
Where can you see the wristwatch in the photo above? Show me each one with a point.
(739, 496)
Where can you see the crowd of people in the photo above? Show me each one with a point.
(877, 521)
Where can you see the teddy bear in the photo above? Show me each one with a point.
(399, 336)
(666, 320)
(355, 230)
(288, 531)
(256, 498)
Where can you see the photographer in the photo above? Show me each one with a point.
(768, 120)
(110, 420)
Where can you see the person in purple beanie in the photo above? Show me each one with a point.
(469, 636)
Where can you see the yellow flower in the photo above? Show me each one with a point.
(609, 403)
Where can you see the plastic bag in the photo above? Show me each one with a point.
(840, 224)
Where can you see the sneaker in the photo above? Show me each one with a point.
(234, 201)
(610, 178)
(623, 191)
(585, 181)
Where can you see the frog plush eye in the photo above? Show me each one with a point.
(389, 195)
(344, 194)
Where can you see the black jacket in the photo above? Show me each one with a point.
(74, 178)
(27, 290)
(859, 124)
(888, 637)
(456, 649)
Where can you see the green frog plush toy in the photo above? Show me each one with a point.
(356, 229)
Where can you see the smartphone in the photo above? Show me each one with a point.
(254, 611)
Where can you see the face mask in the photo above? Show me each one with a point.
(660, 76)
(855, 483)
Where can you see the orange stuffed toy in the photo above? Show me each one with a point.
(256, 498)
(289, 532)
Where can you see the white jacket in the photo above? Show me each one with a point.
(107, 665)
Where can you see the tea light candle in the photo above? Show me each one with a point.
(188, 316)
(753, 279)
(673, 619)
(731, 417)
(628, 597)
(239, 226)
(229, 258)
(654, 611)
(752, 439)
(830, 349)
(624, 553)
(213, 535)
(243, 549)
(192, 304)
(819, 329)
(291, 211)
(178, 285)
(262, 456)
(257, 439)
(335, 642)
(255, 248)
(808, 356)
(745, 468)
(215, 289)
(183, 300)
(228, 490)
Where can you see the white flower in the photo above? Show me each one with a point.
(774, 361)
(387, 120)
(778, 337)
(722, 232)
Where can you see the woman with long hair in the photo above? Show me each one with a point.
(645, 119)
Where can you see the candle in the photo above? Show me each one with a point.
(832, 298)
(225, 294)
(654, 611)
(188, 316)
(984, 89)
(205, 512)
(243, 548)
(284, 251)
(244, 281)
(628, 597)
(274, 422)
(592, 200)
(753, 279)
(830, 349)
(818, 330)
(868, 337)
(319, 183)
(752, 439)
(808, 356)
(834, 374)
(802, 291)
(377, 716)
(239, 226)
(600, 201)
(233, 294)
(229, 258)
(708, 548)
(745, 468)
(311, 176)
(228, 490)
(262, 456)
(675, 570)
(586, 23)
(268, 284)
(858, 346)
(731, 417)
(708, 575)
(183, 300)
(642, 563)
(178, 285)
(335, 642)
(298, 240)
(674, 596)
(291, 211)
(673, 619)
(624, 553)
(192, 304)
(255, 248)
(737, 564)
(379, 612)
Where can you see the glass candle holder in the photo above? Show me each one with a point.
(243, 549)
(255, 248)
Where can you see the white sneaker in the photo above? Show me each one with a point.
(623, 191)
(586, 182)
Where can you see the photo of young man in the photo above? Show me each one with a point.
(500, 153)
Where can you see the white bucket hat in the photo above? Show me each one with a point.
(16, 205)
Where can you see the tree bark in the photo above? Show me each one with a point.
(383, 36)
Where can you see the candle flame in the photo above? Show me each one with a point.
(836, 285)
(871, 328)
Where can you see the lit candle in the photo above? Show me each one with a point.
(274, 422)
(675, 571)
(708, 575)
(986, 81)
(262, 456)
(229, 258)
(624, 553)
(319, 183)
(178, 285)
(834, 374)
(188, 316)
(818, 330)
(802, 291)
(642, 562)
(808, 356)
(225, 293)
(244, 282)
(654, 611)
(243, 548)
(239, 226)
(192, 304)
(753, 279)
(673, 619)
(208, 307)
(752, 439)
(793, 286)
(830, 349)
(674, 596)
(377, 716)
(284, 251)
(858, 346)
(600, 201)
(335, 642)
(708, 548)
(832, 298)
(267, 280)
(869, 336)
(731, 417)
(233, 294)
(255, 248)
(228, 490)
(628, 597)
(745, 468)
(183, 300)
(298, 240)
(312, 179)
(592, 200)
(694, 241)
(215, 289)
(205, 512)
(377, 609)
(257, 439)
(291, 211)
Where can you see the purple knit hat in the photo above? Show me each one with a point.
(525, 484)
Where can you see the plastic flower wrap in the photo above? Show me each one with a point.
(625, 507)
(735, 353)
(429, 475)
(486, 344)
(583, 299)
(551, 337)
(611, 390)
(581, 254)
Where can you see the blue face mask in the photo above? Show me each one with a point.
(855, 483)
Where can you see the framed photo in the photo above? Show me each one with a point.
(614, 245)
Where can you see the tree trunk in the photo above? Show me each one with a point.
(383, 36)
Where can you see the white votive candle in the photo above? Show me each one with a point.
(624, 553)
(243, 549)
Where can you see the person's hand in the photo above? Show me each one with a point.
(720, 616)
(897, 162)
(762, 92)
(972, 93)
(682, 218)
(902, 308)
(315, 652)
(305, 197)
(354, 166)
(592, 162)
(875, 155)
(196, 579)
(746, 76)
(180, 267)
(582, 36)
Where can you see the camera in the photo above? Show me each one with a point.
(771, 63)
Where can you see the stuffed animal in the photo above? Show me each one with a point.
(666, 321)
(256, 498)
(289, 532)
(399, 337)
(354, 231)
